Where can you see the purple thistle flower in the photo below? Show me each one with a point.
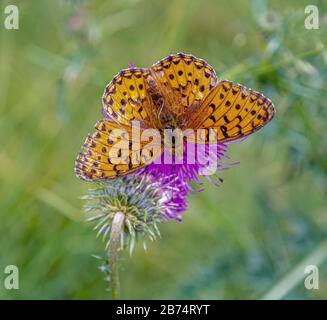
(178, 176)
(174, 191)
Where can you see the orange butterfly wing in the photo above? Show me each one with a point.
(125, 96)
(184, 80)
(233, 111)
(111, 152)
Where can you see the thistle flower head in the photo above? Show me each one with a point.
(144, 200)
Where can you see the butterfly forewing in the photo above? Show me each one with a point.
(124, 97)
(184, 77)
(233, 110)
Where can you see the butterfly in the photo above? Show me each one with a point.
(179, 91)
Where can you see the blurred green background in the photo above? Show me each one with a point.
(248, 239)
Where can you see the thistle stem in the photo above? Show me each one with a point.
(115, 234)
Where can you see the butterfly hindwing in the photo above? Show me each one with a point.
(111, 152)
